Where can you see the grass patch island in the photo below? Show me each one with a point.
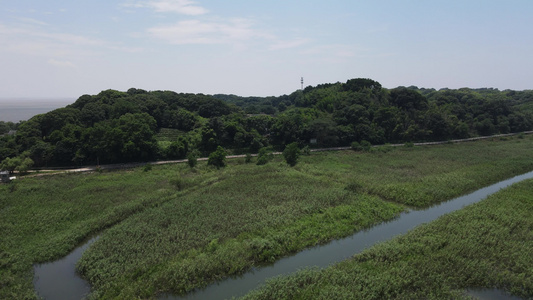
(173, 228)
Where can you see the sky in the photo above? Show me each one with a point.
(63, 48)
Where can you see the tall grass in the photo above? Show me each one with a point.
(175, 228)
(236, 219)
(423, 176)
(486, 245)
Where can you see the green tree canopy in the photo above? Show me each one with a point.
(291, 154)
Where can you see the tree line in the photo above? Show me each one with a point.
(139, 125)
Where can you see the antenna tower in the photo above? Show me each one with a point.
(302, 81)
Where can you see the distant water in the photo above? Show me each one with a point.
(22, 109)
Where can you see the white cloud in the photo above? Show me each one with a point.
(61, 63)
(281, 45)
(32, 21)
(43, 42)
(199, 32)
(36, 34)
(206, 31)
(185, 7)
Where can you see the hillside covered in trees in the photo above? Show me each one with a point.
(138, 125)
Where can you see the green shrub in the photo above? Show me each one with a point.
(248, 158)
(363, 146)
(262, 160)
(366, 145)
(20, 163)
(179, 182)
(192, 159)
(306, 151)
(264, 156)
(217, 158)
(291, 154)
(356, 146)
(147, 167)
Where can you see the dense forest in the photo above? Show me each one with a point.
(138, 125)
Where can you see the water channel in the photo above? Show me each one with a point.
(58, 280)
(319, 256)
(491, 294)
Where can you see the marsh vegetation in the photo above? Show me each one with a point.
(485, 245)
(174, 228)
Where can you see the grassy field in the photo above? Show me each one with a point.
(173, 228)
(44, 218)
(485, 245)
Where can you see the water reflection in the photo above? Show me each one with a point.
(58, 280)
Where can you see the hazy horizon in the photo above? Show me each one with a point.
(22, 109)
(10, 101)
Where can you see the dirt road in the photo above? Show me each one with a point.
(53, 171)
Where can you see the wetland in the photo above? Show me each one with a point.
(158, 237)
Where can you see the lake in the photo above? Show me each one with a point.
(22, 109)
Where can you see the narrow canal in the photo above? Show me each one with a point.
(51, 286)
(58, 280)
